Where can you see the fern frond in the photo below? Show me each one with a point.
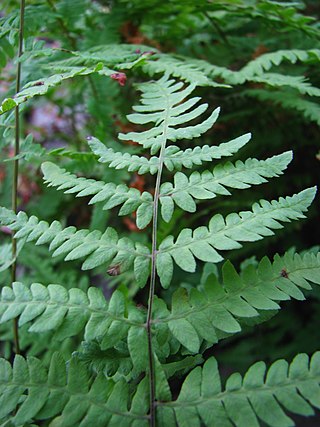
(174, 66)
(261, 396)
(113, 195)
(296, 82)
(225, 234)
(120, 56)
(255, 71)
(68, 396)
(117, 160)
(69, 312)
(98, 248)
(206, 312)
(290, 101)
(41, 87)
(163, 104)
(174, 158)
(209, 184)
(266, 61)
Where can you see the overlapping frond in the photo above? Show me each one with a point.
(163, 103)
(69, 312)
(113, 195)
(67, 395)
(225, 234)
(288, 100)
(206, 313)
(207, 185)
(118, 160)
(173, 158)
(41, 87)
(98, 248)
(188, 71)
(215, 309)
(260, 397)
(268, 60)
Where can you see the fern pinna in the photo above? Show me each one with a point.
(120, 374)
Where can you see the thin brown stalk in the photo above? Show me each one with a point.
(16, 167)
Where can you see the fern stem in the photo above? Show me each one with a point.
(63, 27)
(16, 167)
(218, 29)
(152, 379)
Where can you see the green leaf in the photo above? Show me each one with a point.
(68, 396)
(224, 306)
(208, 185)
(224, 234)
(249, 400)
(42, 86)
(98, 248)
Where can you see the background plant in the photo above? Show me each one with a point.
(79, 106)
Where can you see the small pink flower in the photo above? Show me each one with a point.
(120, 77)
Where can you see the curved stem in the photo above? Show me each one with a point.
(16, 166)
(151, 297)
(152, 380)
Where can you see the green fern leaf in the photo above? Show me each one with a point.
(117, 160)
(288, 100)
(259, 397)
(209, 184)
(176, 66)
(113, 195)
(41, 87)
(266, 61)
(68, 313)
(67, 396)
(98, 248)
(174, 158)
(163, 104)
(216, 309)
(225, 234)
(296, 82)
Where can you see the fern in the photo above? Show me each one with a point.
(98, 248)
(250, 398)
(209, 312)
(110, 193)
(204, 314)
(53, 308)
(174, 158)
(67, 396)
(208, 185)
(266, 61)
(225, 234)
(119, 376)
(287, 100)
(204, 186)
(257, 396)
(41, 87)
